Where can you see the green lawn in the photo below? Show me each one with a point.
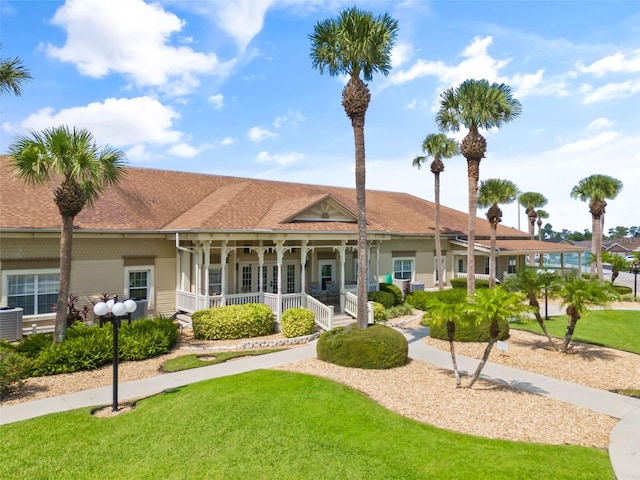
(196, 360)
(618, 329)
(269, 424)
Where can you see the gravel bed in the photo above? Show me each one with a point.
(427, 393)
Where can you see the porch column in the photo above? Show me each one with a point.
(207, 261)
(562, 264)
(304, 250)
(223, 260)
(260, 251)
(378, 261)
(341, 252)
(198, 273)
(279, 255)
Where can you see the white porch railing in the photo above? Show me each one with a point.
(243, 298)
(323, 313)
(479, 276)
(351, 307)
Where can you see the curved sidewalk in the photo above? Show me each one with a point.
(624, 441)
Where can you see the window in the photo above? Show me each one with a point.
(403, 268)
(511, 264)
(486, 265)
(291, 278)
(246, 278)
(35, 293)
(139, 283)
(461, 268)
(215, 280)
(444, 269)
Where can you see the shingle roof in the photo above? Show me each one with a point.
(162, 200)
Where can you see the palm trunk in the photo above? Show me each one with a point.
(358, 133)
(492, 258)
(439, 265)
(533, 301)
(473, 166)
(532, 232)
(597, 245)
(65, 279)
(574, 316)
(451, 333)
(494, 331)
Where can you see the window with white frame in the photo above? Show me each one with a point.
(35, 292)
(403, 268)
(511, 264)
(246, 278)
(215, 279)
(139, 283)
(291, 278)
(486, 265)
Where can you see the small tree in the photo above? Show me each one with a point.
(617, 264)
(579, 295)
(492, 305)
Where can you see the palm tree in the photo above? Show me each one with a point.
(494, 305)
(596, 189)
(85, 171)
(441, 311)
(437, 146)
(578, 295)
(540, 214)
(532, 201)
(12, 75)
(617, 263)
(533, 284)
(492, 192)
(356, 43)
(475, 105)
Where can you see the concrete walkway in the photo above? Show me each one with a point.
(624, 441)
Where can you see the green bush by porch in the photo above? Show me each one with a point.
(462, 283)
(394, 290)
(375, 347)
(297, 322)
(233, 321)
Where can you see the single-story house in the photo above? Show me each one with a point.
(186, 241)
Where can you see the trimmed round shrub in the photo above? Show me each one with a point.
(297, 322)
(468, 331)
(379, 313)
(622, 289)
(385, 298)
(376, 347)
(147, 338)
(233, 321)
(394, 290)
(420, 299)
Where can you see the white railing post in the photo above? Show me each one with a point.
(370, 317)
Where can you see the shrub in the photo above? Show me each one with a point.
(297, 322)
(14, 367)
(420, 299)
(147, 338)
(394, 290)
(468, 331)
(375, 347)
(385, 298)
(32, 345)
(379, 313)
(462, 283)
(399, 311)
(622, 289)
(233, 321)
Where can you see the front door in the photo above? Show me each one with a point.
(327, 272)
(270, 278)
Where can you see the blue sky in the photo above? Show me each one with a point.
(226, 87)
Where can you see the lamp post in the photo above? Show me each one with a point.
(635, 269)
(547, 278)
(113, 311)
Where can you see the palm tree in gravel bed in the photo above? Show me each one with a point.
(437, 146)
(475, 105)
(353, 44)
(531, 201)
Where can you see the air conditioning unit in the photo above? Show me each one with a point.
(10, 323)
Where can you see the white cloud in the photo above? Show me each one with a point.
(291, 117)
(116, 121)
(617, 63)
(589, 144)
(138, 153)
(281, 160)
(400, 53)
(600, 124)
(228, 141)
(131, 38)
(183, 150)
(611, 90)
(258, 134)
(217, 100)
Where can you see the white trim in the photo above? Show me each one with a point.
(413, 267)
(151, 274)
(32, 271)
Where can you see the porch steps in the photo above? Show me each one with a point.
(342, 319)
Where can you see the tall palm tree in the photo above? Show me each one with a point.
(540, 215)
(579, 295)
(352, 44)
(13, 75)
(437, 146)
(475, 105)
(85, 170)
(596, 189)
(532, 201)
(492, 192)
(495, 305)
